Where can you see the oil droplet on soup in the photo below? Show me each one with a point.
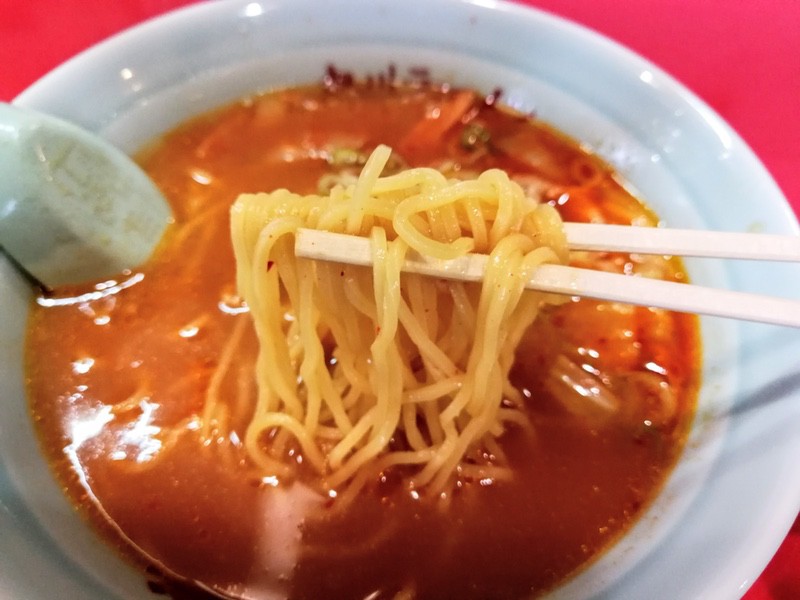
(117, 382)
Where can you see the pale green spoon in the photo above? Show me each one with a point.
(73, 208)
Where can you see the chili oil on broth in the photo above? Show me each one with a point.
(118, 384)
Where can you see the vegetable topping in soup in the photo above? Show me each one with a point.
(120, 376)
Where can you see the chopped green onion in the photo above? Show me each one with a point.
(474, 135)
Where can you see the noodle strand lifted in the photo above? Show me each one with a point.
(367, 369)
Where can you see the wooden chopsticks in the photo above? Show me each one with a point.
(336, 247)
(682, 242)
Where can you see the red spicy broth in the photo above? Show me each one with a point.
(116, 384)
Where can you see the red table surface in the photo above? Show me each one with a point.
(742, 58)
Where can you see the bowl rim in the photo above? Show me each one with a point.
(787, 509)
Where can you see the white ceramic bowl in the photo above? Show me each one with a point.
(735, 492)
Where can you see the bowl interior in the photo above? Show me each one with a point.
(735, 492)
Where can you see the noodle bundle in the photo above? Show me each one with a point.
(364, 369)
